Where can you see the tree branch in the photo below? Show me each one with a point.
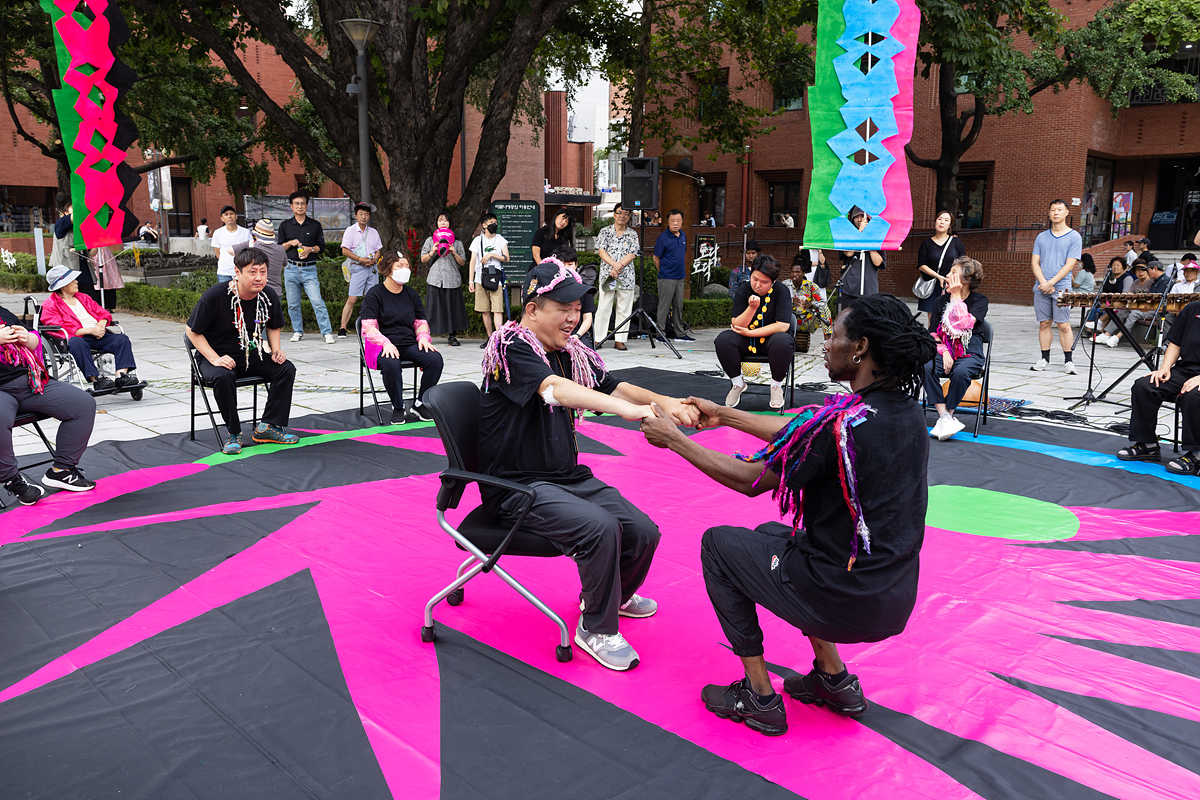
(168, 161)
(927, 163)
(12, 112)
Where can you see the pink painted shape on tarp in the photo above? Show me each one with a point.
(1111, 523)
(984, 606)
(896, 187)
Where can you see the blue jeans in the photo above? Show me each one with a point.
(296, 276)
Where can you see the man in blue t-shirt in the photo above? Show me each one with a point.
(670, 255)
(1055, 252)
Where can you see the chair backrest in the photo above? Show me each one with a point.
(986, 334)
(455, 410)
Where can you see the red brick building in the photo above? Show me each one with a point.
(1070, 147)
(29, 179)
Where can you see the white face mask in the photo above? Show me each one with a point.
(401, 274)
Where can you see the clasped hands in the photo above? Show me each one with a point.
(660, 426)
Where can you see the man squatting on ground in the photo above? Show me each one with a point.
(852, 474)
(537, 378)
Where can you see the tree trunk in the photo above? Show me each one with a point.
(637, 99)
(958, 132)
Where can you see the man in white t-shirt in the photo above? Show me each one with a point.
(224, 241)
(489, 251)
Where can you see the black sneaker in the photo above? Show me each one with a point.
(397, 418)
(844, 697)
(422, 410)
(453, 341)
(483, 344)
(412, 415)
(738, 702)
(70, 479)
(128, 379)
(26, 493)
(341, 333)
(683, 337)
(103, 383)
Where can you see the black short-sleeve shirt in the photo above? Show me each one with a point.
(780, 307)
(874, 599)
(550, 240)
(396, 313)
(520, 437)
(930, 253)
(1185, 332)
(213, 318)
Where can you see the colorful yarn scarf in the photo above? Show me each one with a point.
(18, 355)
(584, 360)
(262, 312)
(955, 329)
(792, 445)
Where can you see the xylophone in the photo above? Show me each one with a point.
(1141, 301)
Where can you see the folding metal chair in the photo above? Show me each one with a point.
(790, 385)
(455, 410)
(983, 379)
(199, 380)
(366, 376)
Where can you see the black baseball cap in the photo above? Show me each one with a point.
(555, 281)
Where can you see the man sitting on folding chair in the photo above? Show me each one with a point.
(235, 327)
(956, 323)
(25, 387)
(536, 377)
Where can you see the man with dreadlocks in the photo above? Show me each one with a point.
(851, 474)
(537, 377)
(235, 328)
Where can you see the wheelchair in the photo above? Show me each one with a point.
(61, 364)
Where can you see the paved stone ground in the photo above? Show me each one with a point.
(328, 375)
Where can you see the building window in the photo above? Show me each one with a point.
(1186, 61)
(712, 199)
(972, 200)
(785, 198)
(785, 102)
(712, 93)
(179, 219)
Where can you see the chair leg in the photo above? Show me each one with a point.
(564, 635)
(212, 420)
(361, 385)
(49, 447)
(254, 408)
(192, 423)
(452, 587)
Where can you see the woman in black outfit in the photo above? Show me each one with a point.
(395, 331)
(818, 572)
(761, 325)
(552, 237)
(935, 257)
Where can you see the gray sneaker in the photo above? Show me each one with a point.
(638, 607)
(735, 395)
(610, 649)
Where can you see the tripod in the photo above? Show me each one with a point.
(639, 312)
(1088, 395)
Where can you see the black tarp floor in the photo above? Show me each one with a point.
(210, 627)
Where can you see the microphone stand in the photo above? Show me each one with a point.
(1088, 395)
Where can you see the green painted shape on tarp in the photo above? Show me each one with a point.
(983, 512)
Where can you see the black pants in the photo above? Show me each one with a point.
(744, 569)
(611, 540)
(280, 379)
(732, 349)
(961, 373)
(1148, 398)
(76, 409)
(429, 361)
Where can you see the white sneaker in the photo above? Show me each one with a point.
(1087, 326)
(938, 429)
(1040, 365)
(951, 427)
(735, 395)
(297, 336)
(1101, 338)
(1113, 341)
(1069, 368)
(776, 400)
(330, 339)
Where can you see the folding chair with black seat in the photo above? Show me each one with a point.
(790, 383)
(977, 393)
(455, 410)
(198, 379)
(365, 376)
(61, 364)
(35, 421)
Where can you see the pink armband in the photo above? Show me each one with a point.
(422, 329)
(373, 342)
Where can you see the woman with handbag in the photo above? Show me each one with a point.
(934, 259)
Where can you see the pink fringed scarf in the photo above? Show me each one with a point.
(955, 329)
(18, 355)
(584, 360)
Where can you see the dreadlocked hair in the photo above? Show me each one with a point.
(898, 344)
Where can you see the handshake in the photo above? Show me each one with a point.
(660, 424)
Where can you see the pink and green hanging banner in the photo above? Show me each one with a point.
(861, 117)
(94, 133)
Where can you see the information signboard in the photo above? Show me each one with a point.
(519, 220)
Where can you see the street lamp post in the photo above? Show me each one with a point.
(361, 31)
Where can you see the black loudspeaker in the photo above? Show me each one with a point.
(639, 183)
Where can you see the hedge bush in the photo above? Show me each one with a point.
(22, 282)
(25, 263)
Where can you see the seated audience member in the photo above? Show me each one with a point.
(587, 304)
(84, 325)
(1188, 270)
(761, 325)
(235, 329)
(1118, 280)
(1177, 380)
(25, 387)
(1083, 274)
(957, 320)
(1140, 284)
(846, 569)
(536, 377)
(1155, 282)
(809, 305)
(395, 330)
(741, 273)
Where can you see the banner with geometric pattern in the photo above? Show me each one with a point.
(861, 117)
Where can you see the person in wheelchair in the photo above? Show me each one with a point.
(84, 325)
(537, 377)
(26, 387)
(956, 322)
